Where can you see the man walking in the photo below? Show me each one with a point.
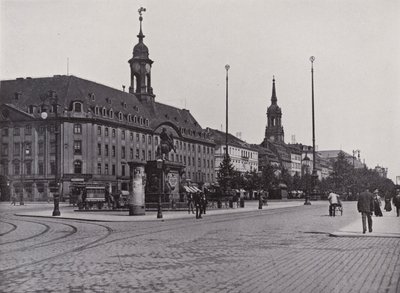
(396, 202)
(365, 206)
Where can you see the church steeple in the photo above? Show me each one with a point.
(274, 99)
(274, 129)
(140, 65)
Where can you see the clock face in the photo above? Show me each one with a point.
(148, 67)
(136, 67)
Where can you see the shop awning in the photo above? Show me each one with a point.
(191, 189)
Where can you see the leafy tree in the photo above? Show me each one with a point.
(225, 173)
(268, 177)
(4, 189)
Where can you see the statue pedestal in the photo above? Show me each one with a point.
(163, 179)
(136, 199)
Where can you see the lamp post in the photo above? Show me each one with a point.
(54, 104)
(160, 166)
(354, 171)
(226, 116)
(306, 161)
(314, 171)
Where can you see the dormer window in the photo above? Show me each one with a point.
(129, 118)
(17, 95)
(134, 119)
(136, 108)
(147, 122)
(111, 114)
(120, 116)
(77, 107)
(91, 96)
(104, 112)
(96, 110)
(31, 109)
(108, 100)
(141, 120)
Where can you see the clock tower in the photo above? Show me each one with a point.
(140, 65)
(274, 130)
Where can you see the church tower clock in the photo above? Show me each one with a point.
(274, 130)
(140, 65)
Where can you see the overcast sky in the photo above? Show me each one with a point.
(356, 45)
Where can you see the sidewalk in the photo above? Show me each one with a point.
(67, 212)
(387, 226)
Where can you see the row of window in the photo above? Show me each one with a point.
(26, 169)
(109, 113)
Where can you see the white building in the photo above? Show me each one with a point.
(244, 157)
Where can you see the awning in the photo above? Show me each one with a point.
(196, 189)
(191, 189)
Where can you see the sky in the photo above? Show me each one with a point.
(356, 45)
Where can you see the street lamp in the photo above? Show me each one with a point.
(24, 152)
(54, 103)
(314, 171)
(354, 171)
(306, 161)
(160, 166)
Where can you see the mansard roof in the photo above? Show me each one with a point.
(22, 93)
(219, 138)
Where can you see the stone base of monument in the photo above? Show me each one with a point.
(135, 210)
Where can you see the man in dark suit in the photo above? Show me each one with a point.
(365, 206)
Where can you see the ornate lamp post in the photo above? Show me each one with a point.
(160, 166)
(306, 161)
(54, 104)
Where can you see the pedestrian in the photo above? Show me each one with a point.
(377, 204)
(203, 203)
(190, 203)
(13, 199)
(197, 203)
(365, 206)
(334, 201)
(388, 205)
(396, 202)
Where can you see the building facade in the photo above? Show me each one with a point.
(63, 130)
(244, 157)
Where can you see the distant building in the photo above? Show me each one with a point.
(381, 171)
(332, 155)
(244, 157)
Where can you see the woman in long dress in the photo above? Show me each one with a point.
(377, 204)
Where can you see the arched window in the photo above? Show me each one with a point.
(135, 119)
(111, 114)
(78, 107)
(129, 118)
(96, 110)
(104, 112)
(120, 116)
(77, 167)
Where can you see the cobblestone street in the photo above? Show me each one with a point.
(281, 250)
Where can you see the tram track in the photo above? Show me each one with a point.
(76, 249)
(167, 226)
(47, 229)
(14, 227)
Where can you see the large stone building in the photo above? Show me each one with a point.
(244, 157)
(65, 130)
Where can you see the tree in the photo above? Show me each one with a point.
(4, 189)
(225, 173)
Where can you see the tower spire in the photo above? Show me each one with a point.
(274, 99)
(141, 35)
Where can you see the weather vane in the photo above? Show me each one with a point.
(141, 9)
